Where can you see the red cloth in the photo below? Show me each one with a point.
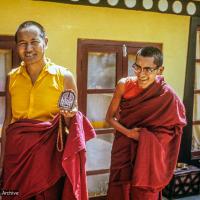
(32, 163)
(149, 163)
(131, 88)
(74, 157)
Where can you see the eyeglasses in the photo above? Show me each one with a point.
(146, 70)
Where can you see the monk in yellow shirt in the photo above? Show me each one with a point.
(33, 91)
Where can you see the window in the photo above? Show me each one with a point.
(100, 65)
(196, 104)
(190, 144)
(8, 59)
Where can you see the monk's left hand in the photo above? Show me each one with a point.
(68, 114)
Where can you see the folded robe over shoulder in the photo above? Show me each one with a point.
(32, 163)
(149, 163)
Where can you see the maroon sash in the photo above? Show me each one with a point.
(32, 163)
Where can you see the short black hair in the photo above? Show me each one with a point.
(151, 51)
(28, 24)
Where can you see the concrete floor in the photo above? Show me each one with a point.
(195, 197)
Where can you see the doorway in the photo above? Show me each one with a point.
(100, 65)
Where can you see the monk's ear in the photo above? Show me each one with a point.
(160, 70)
(45, 42)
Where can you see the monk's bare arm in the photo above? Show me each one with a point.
(7, 120)
(70, 84)
(113, 108)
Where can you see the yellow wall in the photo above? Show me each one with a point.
(66, 23)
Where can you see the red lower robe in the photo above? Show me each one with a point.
(32, 163)
(140, 170)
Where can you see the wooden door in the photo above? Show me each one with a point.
(100, 65)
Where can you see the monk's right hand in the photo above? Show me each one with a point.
(133, 133)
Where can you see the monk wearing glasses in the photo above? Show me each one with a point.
(148, 117)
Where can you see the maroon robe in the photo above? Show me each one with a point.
(32, 163)
(140, 170)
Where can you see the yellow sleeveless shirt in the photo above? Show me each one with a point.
(38, 101)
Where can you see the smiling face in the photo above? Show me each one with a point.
(146, 78)
(31, 46)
